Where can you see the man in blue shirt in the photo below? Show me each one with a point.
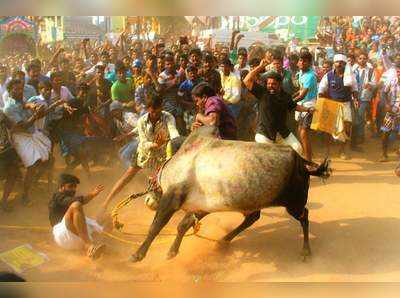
(366, 84)
(185, 92)
(342, 87)
(185, 88)
(306, 97)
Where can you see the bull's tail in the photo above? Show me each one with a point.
(323, 170)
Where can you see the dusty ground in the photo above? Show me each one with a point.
(355, 224)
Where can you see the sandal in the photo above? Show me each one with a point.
(95, 251)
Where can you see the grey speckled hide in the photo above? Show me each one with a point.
(209, 175)
(222, 175)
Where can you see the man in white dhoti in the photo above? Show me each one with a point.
(72, 230)
(44, 124)
(32, 146)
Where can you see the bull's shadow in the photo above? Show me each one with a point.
(367, 179)
(350, 246)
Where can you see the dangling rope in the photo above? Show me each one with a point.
(153, 185)
(114, 213)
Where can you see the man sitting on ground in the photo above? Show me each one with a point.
(72, 230)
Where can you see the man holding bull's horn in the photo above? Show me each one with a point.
(155, 129)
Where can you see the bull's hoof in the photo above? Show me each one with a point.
(171, 254)
(306, 254)
(136, 257)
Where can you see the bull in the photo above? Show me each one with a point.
(209, 175)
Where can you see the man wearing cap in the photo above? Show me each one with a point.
(273, 106)
(340, 85)
(72, 230)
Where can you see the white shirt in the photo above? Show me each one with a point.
(388, 76)
(166, 126)
(128, 124)
(238, 68)
(40, 124)
(366, 75)
(232, 87)
(109, 68)
(65, 94)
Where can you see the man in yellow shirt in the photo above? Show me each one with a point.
(155, 129)
(231, 87)
(137, 77)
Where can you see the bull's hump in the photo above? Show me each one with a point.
(244, 149)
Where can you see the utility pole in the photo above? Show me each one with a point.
(36, 23)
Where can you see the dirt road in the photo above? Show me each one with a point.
(355, 224)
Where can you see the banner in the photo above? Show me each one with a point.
(287, 27)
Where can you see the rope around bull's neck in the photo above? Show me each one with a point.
(153, 185)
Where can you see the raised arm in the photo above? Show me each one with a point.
(85, 49)
(55, 56)
(211, 119)
(90, 196)
(232, 45)
(22, 126)
(251, 76)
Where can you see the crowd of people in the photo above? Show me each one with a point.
(129, 101)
